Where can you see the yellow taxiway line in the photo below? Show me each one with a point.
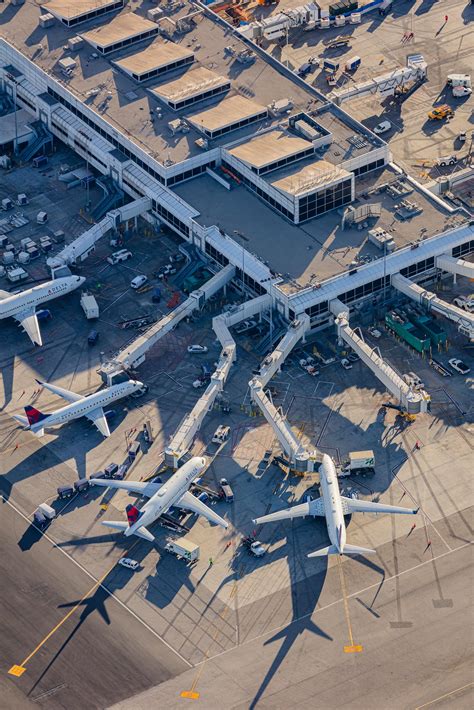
(352, 648)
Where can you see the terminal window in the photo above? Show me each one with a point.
(324, 200)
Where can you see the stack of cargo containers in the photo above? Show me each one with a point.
(407, 331)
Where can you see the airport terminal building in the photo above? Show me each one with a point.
(238, 155)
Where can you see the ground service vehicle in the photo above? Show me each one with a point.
(221, 434)
(89, 305)
(382, 127)
(183, 549)
(118, 256)
(440, 112)
(359, 462)
(465, 302)
(459, 366)
(65, 491)
(128, 563)
(93, 337)
(138, 281)
(226, 491)
(254, 546)
(447, 160)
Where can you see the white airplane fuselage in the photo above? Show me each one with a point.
(88, 404)
(332, 503)
(169, 493)
(18, 303)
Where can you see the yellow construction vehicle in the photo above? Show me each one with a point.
(440, 112)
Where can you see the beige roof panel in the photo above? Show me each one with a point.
(228, 111)
(269, 148)
(310, 177)
(68, 9)
(157, 55)
(192, 83)
(119, 29)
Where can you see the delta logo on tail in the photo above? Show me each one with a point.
(133, 514)
(34, 416)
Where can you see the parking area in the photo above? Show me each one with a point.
(381, 43)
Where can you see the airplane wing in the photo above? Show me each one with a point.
(141, 487)
(29, 322)
(190, 502)
(97, 417)
(65, 394)
(351, 505)
(313, 507)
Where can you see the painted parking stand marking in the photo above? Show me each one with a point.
(352, 647)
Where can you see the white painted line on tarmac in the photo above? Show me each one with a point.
(339, 601)
(111, 594)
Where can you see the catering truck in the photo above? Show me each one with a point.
(359, 462)
(183, 549)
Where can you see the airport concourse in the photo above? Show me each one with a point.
(237, 321)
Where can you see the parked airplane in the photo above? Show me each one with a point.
(161, 498)
(22, 306)
(333, 506)
(90, 406)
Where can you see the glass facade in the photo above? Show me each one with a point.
(322, 201)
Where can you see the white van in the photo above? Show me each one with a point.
(138, 281)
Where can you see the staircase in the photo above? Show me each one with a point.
(42, 139)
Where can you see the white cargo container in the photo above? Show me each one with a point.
(47, 511)
(459, 80)
(16, 274)
(183, 549)
(90, 306)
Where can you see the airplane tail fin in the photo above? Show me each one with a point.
(133, 514)
(33, 415)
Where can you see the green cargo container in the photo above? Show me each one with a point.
(411, 335)
(437, 335)
(343, 6)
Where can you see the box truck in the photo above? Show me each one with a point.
(183, 549)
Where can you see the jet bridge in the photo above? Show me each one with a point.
(299, 457)
(183, 438)
(455, 266)
(134, 354)
(427, 299)
(80, 248)
(385, 84)
(413, 402)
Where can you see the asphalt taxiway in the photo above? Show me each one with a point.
(101, 654)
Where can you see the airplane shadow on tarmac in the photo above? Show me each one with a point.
(95, 601)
